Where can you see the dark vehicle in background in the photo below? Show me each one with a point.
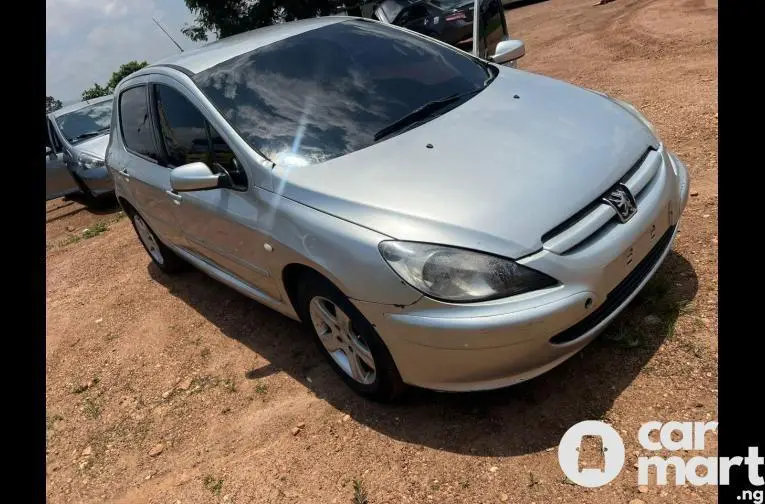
(450, 21)
(75, 147)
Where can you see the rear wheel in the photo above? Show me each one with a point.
(348, 341)
(165, 259)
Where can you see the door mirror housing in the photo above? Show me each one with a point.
(195, 176)
(508, 51)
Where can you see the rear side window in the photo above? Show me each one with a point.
(135, 122)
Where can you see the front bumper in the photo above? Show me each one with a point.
(487, 345)
(98, 180)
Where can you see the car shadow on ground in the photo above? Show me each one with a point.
(526, 418)
(74, 204)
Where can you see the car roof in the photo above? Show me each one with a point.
(79, 105)
(209, 55)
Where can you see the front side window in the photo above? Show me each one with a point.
(87, 122)
(189, 138)
(183, 127)
(331, 91)
(223, 157)
(135, 122)
(492, 28)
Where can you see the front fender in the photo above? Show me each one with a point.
(344, 252)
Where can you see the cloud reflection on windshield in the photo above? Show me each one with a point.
(85, 120)
(326, 92)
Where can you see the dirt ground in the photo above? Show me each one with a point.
(180, 390)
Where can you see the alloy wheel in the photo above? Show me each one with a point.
(347, 348)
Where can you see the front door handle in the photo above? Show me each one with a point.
(174, 196)
(124, 174)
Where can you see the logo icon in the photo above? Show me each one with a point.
(569, 454)
(622, 200)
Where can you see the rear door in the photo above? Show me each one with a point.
(222, 225)
(58, 179)
(144, 170)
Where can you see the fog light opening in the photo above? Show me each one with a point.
(588, 303)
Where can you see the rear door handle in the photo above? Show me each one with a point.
(124, 174)
(174, 196)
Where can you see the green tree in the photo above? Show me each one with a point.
(229, 17)
(94, 92)
(124, 71)
(51, 104)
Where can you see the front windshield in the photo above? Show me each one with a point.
(327, 92)
(86, 122)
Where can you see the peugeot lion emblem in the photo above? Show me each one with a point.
(622, 200)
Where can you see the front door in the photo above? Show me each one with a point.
(220, 225)
(58, 179)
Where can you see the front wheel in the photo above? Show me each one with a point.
(348, 341)
(160, 254)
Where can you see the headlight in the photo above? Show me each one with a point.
(88, 162)
(452, 274)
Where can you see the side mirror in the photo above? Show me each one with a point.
(508, 50)
(195, 176)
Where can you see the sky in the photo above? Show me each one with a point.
(87, 40)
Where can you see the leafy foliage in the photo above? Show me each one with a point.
(51, 104)
(123, 71)
(229, 17)
(94, 92)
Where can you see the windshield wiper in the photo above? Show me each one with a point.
(89, 134)
(419, 114)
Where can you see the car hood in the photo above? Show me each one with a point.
(94, 146)
(493, 174)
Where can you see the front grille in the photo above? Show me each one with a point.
(617, 296)
(587, 209)
(594, 216)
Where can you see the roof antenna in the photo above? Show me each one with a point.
(165, 32)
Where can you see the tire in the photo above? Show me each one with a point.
(385, 383)
(164, 258)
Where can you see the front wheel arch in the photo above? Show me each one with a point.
(295, 273)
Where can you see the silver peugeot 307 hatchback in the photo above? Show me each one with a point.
(434, 219)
